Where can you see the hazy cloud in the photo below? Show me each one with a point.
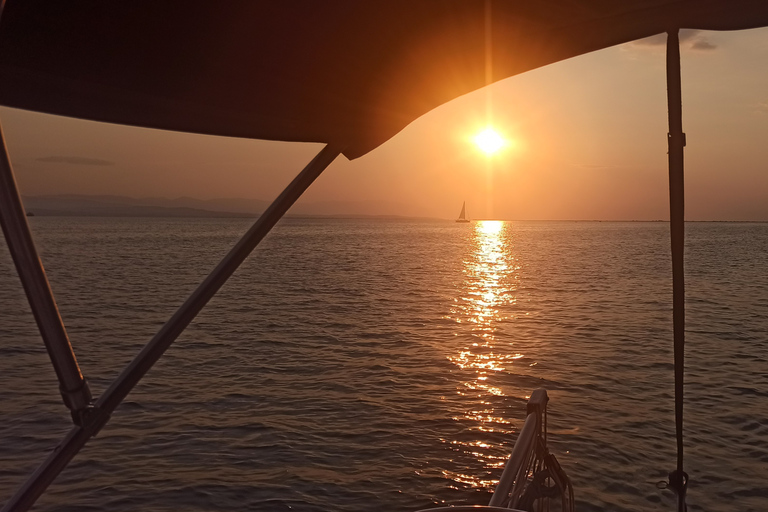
(602, 166)
(762, 107)
(692, 39)
(703, 45)
(75, 160)
(690, 35)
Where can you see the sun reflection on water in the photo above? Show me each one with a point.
(486, 299)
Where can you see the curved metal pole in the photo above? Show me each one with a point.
(130, 376)
(678, 479)
(512, 478)
(73, 386)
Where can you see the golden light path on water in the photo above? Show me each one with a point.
(490, 282)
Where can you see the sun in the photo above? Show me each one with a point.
(489, 141)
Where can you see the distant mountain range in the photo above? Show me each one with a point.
(120, 206)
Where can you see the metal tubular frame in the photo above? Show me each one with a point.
(99, 414)
(73, 386)
(676, 142)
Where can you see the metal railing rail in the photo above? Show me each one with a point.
(519, 465)
(528, 456)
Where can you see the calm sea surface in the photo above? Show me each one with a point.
(384, 365)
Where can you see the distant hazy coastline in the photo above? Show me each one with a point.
(122, 206)
(73, 205)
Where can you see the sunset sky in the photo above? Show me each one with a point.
(587, 140)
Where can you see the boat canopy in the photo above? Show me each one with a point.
(350, 73)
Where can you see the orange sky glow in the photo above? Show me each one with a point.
(586, 139)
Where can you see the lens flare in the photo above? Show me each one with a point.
(489, 141)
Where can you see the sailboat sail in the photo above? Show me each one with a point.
(463, 214)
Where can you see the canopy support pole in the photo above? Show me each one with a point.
(72, 385)
(678, 479)
(26, 496)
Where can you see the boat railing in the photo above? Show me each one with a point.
(520, 464)
(532, 476)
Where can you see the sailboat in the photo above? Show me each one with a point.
(463, 215)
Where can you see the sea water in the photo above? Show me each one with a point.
(372, 365)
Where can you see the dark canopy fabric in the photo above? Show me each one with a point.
(348, 72)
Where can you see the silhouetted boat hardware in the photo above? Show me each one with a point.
(531, 475)
(352, 91)
(463, 215)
